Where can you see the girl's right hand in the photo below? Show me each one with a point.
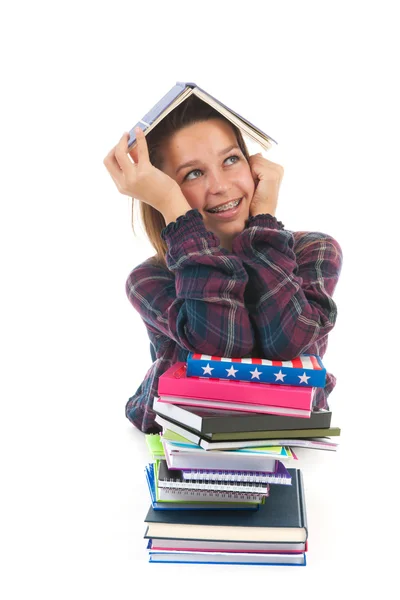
(140, 179)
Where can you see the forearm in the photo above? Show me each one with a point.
(289, 295)
(177, 206)
(198, 301)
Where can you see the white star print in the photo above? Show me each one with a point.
(304, 378)
(207, 370)
(255, 373)
(279, 376)
(231, 371)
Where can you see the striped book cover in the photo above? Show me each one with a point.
(306, 370)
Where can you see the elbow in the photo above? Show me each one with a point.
(236, 341)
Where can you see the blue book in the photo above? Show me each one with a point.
(180, 92)
(228, 558)
(306, 370)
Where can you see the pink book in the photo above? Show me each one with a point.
(235, 406)
(174, 382)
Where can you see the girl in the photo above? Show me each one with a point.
(227, 278)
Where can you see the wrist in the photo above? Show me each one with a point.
(177, 206)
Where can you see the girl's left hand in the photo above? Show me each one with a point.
(267, 177)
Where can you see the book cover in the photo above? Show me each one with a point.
(180, 92)
(212, 423)
(306, 370)
(282, 518)
(175, 383)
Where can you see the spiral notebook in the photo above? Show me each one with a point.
(192, 499)
(281, 476)
(174, 479)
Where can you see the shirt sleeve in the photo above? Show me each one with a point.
(198, 301)
(292, 278)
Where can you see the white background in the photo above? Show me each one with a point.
(319, 77)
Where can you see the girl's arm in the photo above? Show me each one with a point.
(292, 278)
(199, 301)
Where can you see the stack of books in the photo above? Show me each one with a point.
(222, 481)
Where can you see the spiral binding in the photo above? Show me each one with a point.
(220, 494)
(254, 477)
(239, 486)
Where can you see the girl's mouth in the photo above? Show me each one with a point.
(228, 209)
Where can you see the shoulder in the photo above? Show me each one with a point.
(316, 241)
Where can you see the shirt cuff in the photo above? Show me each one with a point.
(187, 235)
(264, 220)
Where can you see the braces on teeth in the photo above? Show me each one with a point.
(226, 206)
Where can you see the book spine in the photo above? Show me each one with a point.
(304, 371)
(302, 500)
(159, 108)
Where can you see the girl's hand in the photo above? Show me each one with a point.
(140, 179)
(267, 177)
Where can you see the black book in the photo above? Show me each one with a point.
(282, 518)
(206, 422)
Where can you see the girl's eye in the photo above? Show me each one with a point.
(187, 177)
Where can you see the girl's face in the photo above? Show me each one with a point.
(207, 163)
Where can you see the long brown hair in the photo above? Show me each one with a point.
(193, 110)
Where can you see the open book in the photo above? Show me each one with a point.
(180, 92)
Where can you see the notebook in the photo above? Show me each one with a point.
(174, 479)
(172, 499)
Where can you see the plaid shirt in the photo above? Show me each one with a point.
(271, 297)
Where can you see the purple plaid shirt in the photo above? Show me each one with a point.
(271, 297)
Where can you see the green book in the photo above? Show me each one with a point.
(153, 441)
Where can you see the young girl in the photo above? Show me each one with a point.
(227, 278)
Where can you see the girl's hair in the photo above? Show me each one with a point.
(190, 111)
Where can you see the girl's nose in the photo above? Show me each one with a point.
(218, 183)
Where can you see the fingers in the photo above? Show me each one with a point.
(121, 154)
(142, 149)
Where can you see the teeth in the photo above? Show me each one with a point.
(225, 207)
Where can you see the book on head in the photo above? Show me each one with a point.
(179, 93)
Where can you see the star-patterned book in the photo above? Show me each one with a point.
(306, 370)
(175, 387)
